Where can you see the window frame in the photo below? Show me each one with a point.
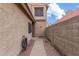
(39, 12)
(29, 28)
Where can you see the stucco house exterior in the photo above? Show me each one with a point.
(39, 12)
(17, 20)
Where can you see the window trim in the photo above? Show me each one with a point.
(39, 15)
(29, 28)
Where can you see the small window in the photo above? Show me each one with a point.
(38, 11)
(29, 28)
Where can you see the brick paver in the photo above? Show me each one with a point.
(40, 47)
(50, 50)
(28, 50)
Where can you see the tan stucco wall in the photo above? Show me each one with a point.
(39, 28)
(39, 31)
(13, 24)
(33, 5)
(44, 12)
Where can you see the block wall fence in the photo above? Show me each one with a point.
(65, 36)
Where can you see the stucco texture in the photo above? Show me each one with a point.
(13, 25)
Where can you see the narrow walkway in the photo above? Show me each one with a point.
(39, 47)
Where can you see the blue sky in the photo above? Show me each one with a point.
(58, 10)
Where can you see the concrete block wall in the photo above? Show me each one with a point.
(65, 36)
